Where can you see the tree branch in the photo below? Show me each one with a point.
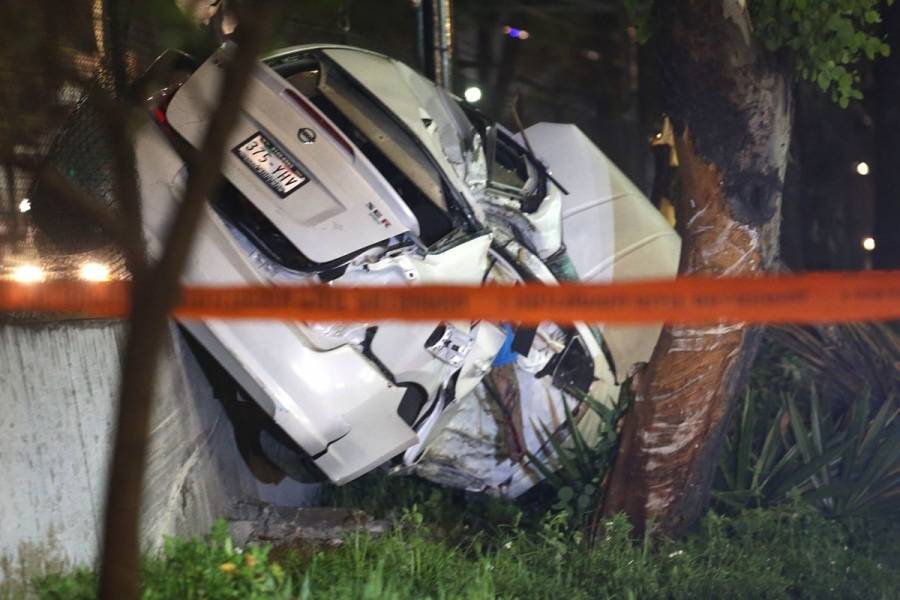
(123, 236)
(153, 297)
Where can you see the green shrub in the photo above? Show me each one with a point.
(789, 552)
(578, 462)
(455, 512)
(826, 39)
(840, 454)
(190, 569)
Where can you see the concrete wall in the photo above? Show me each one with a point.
(57, 389)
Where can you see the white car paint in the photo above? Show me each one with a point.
(337, 389)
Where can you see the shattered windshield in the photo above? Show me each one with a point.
(511, 170)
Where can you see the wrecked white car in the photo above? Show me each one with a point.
(349, 168)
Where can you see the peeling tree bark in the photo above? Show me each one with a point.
(730, 103)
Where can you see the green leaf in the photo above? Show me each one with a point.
(544, 470)
(580, 447)
(885, 459)
(737, 499)
(801, 435)
(815, 420)
(725, 468)
(802, 474)
(562, 455)
(785, 460)
(745, 446)
(769, 451)
(885, 415)
(606, 414)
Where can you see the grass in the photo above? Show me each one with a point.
(790, 552)
(758, 554)
(452, 544)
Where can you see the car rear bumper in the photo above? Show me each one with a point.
(334, 402)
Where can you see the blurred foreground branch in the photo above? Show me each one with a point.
(155, 293)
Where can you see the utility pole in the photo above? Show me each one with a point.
(434, 20)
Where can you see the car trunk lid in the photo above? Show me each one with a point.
(294, 165)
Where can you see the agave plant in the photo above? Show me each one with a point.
(576, 464)
(747, 470)
(850, 464)
(842, 462)
(834, 442)
(846, 359)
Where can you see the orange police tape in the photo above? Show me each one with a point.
(808, 298)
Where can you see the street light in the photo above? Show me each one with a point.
(472, 94)
(94, 271)
(862, 168)
(28, 274)
(868, 244)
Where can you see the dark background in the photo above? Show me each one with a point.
(581, 63)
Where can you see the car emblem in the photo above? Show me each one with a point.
(306, 135)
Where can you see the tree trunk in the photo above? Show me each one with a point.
(729, 101)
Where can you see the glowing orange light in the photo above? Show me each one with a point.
(28, 274)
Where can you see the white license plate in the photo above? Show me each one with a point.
(270, 164)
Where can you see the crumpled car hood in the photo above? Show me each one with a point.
(610, 229)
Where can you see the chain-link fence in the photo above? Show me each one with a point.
(57, 91)
(54, 85)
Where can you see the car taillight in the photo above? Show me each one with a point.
(158, 105)
(160, 115)
(159, 102)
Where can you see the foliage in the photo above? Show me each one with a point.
(379, 494)
(839, 451)
(641, 13)
(827, 39)
(846, 359)
(747, 472)
(841, 464)
(578, 466)
(852, 461)
(573, 475)
(784, 553)
(191, 569)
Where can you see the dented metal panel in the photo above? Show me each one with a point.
(330, 216)
(611, 231)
